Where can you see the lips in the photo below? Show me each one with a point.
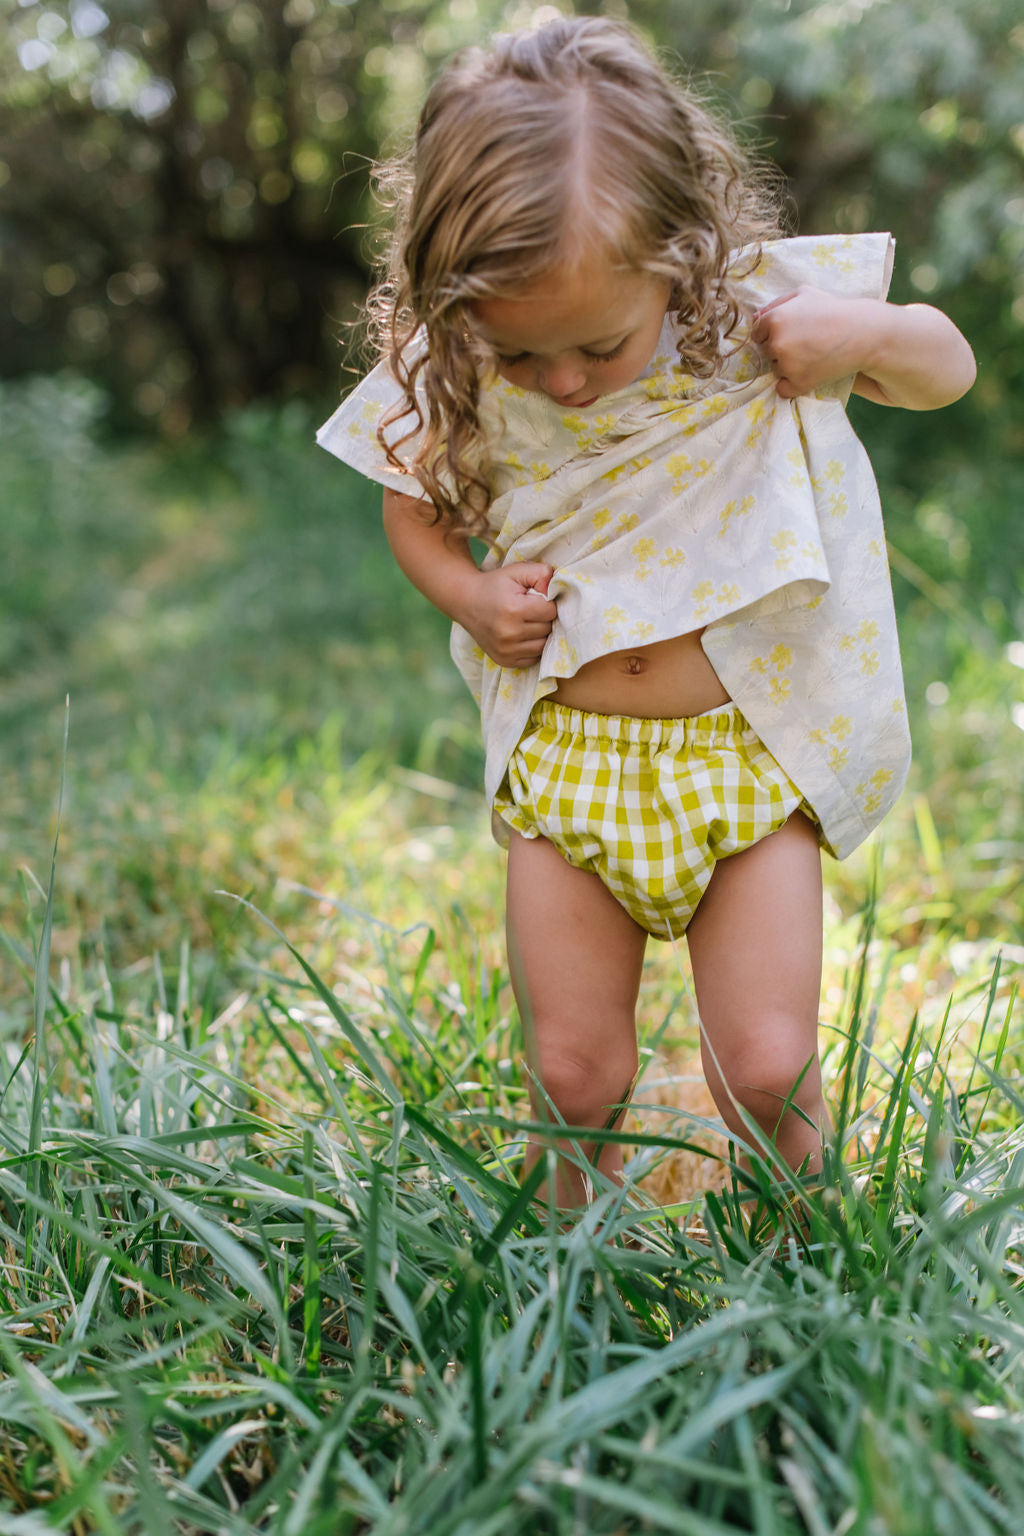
(579, 405)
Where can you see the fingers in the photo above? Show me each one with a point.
(521, 651)
(531, 574)
(784, 298)
(515, 618)
(533, 577)
(761, 327)
(526, 655)
(768, 331)
(537, 609)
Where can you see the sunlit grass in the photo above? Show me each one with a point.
(274, 1252)
(265, 1263)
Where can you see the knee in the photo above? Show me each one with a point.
(584, 1087)
(770, 1069)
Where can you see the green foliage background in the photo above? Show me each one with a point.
(264, 1261)
(184, 206)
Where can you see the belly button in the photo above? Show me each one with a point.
(635, 665)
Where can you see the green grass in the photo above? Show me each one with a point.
(265, 1263)
(271, 1269)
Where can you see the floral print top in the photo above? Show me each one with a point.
(679, 503)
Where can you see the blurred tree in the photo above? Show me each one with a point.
(182, 182)
(179, 183)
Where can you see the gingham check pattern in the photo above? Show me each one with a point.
(650, 806)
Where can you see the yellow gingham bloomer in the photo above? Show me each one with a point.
(678, 504)
(647, 805)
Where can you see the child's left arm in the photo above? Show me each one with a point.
(909, 355)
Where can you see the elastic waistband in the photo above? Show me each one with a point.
(726, 724)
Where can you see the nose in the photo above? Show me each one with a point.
(561, 377)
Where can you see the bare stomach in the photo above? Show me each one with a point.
(669, 679)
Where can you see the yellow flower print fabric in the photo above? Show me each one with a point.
(678, 504)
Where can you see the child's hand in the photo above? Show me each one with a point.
(812, 338)
(505, 609)
(909, 355)
(507, 612)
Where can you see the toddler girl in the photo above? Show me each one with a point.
(600, 359)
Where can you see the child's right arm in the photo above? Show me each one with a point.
(504, 609)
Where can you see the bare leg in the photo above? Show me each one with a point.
(755, 945)
(576, 957)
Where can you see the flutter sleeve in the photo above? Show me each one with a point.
(853, 266)
(351, 433)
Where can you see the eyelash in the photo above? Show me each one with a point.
(596, 357)
(606, 357)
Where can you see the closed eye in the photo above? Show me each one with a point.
(508, 360)
(606, 357)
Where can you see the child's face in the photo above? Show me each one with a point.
(578, 333)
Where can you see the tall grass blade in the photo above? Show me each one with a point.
(40, 1055)
(475, 1363)
(311, 1299)
(895, 1120)
(355, 1035)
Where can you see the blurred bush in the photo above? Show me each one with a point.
(183, 202)
(183, 185)
(231, 592)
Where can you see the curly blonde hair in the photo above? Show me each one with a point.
(527, 154)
